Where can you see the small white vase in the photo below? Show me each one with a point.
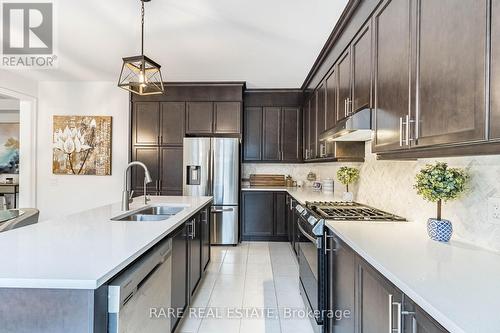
(347, 197)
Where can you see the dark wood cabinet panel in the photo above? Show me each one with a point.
(320, 117)
(179, 272)
(257, 214)
(291, 139)
(205, 237)
(280, 214)
(312, 127)
(194, 254)
(306, 129)
(145, 123)
(252, 134)
(199, 117)
(451, 89)
(171, 170)
(495, 71)
(148, 156)
(172, 129)
(331, 99)
(392, 61)
(271, 145)
(227, 118)
(418, 321)
(344, 81)
(362, 70)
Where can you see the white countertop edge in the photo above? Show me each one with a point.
(421, 302)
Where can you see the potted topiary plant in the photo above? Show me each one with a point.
(438, 183)
(347, 175)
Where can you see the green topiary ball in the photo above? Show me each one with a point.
(440, 182)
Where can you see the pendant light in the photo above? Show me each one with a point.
(141, 75)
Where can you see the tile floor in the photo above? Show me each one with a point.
(249, 288)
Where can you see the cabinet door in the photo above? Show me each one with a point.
(272, 134)
(227, 117)
(171, 170)
(495, 72)
(342, 284)
(194, 254)
(418, 321)
(306, 130)
(148, 156)
(331, 99)
(291, 138)
(199, 117)
(280, 228)
(379, 302)
(252, 134)
(362, 70)
(258, 214)
(145, 123)
(320, 117)
(205, 237)
(392, 60)
(344, 74)
(312, 127)
(173, 115)
(451, 89)
(179, 272)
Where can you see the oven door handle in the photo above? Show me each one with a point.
(312, 239)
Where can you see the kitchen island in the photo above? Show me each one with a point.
(54, 278)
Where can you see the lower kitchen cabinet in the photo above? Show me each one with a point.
(194, 247)
(179, 273)
(415, 320)
(263, 216)
(205, 237)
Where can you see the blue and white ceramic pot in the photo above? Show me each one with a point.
(439, 230)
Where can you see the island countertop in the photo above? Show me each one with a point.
(84, 250)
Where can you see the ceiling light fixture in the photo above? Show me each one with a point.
(141, 75)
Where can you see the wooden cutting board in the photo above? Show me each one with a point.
(267, 180)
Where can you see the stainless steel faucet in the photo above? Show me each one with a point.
(126, 196)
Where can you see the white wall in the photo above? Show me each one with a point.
(388, 185)
(62, 194)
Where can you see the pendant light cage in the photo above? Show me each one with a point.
(141, 75)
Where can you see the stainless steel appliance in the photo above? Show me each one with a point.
(139, 298)
(211, 167)
(312, 247)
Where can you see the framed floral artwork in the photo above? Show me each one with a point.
(9, 148)
(82, 145)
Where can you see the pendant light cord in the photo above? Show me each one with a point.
(142, 27)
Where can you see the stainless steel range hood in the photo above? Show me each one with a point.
(357, 127)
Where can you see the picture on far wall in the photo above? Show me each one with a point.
(82, 145)
(9, 148)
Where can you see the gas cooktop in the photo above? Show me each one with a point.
(350, 211)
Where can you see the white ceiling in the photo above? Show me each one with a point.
(268, 43)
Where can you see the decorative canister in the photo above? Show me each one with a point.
(439, 230)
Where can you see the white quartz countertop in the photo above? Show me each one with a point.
(84, 250)
(301, 194)
(456, 283)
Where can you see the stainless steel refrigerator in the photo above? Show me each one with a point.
(211, 167)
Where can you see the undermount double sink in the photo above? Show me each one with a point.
(151, 213)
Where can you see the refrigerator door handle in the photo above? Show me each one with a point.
(214, 210)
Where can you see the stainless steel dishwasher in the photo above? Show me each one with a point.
(140, 297)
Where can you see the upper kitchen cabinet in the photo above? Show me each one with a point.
(331, 99)
(291, 138)
(313, 134)
(170, 182)
(320, 117)
(362, 70)
(392, 76)
(227, 117)
(145, 123)
(252, 134)
(272, 134)
(495, 72)
(344, 84)
(199, 117)
(305, 129)
(172, 118)
(451, 71)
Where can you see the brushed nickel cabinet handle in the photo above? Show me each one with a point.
(401, 131)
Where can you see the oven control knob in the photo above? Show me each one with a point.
(312, 220)
(299, 208)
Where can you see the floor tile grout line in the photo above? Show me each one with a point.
(276, 293)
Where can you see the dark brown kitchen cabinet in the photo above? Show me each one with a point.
(252, 134)
(148, 156)
(172, 117)
(171, 170)
(313, 127)
(180, 279)
(194, 247)
(379, 302)
(495, 71)
(418, 321)
(450, 89)
(291, 138)
(331, 99)
(344, 82)
(392, 61)
(199, 117)
(227, 117)
(272, 134)
(306, 129)
(264, 216)
(145, 123)
(320, 117)
(205, 237)
(361, 70)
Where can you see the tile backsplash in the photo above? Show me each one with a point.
(388, 185)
